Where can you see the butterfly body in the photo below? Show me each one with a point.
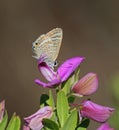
(48, 45)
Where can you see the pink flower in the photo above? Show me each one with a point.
(95, 112)
(26, 128)
(2, 109)
(61, 75)
(35, 121)
(86, 85)
(105, 126)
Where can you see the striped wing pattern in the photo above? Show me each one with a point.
(48, 44)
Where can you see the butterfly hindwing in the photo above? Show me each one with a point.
(48, 44)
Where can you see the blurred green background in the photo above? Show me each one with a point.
(91, 29)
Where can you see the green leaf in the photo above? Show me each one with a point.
(50, 124)
(43, 100)
(14, 123)
(62, 107)
(66, 87)
(4, 121)
(71, 121)
(81, 128)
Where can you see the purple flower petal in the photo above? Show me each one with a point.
(47, 71)
(68, 67)
(105, 126)
(48, 85)
(2, 109)
(35, 121)
(62, 74)
(95, 112)
(86, 85)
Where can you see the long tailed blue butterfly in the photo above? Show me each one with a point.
(48, 45)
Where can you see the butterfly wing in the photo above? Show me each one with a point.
(55, 42)
(48, 44)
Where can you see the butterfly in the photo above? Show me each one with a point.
(48, 46)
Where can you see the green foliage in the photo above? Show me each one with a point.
(4, 121)
(50, 124)
(114, 121)
(115, 92)
(62, 107)
(71, 122)
(115, 87)
(77, 75)
(66, 87)
(71, 99)
(83, 125)
(43, 100)
(81, 128)
(14, 123)
(50, 101)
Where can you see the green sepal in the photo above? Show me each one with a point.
(50, 124)
(77, 75)
(4, 121)
(14, 123)
(62, 107)
(50, 101)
